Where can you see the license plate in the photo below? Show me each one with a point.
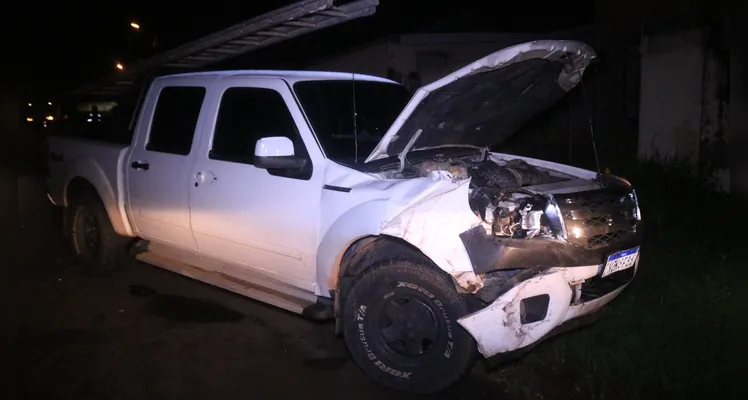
(620, 261)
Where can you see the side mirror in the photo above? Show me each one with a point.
(276, 152)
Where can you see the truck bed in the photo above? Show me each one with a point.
(100, 163)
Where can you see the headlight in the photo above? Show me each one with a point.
(553, 212)
(637, 211)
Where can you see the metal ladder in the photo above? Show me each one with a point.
(270, 28)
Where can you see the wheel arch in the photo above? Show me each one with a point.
(371, 250)
(78, 185)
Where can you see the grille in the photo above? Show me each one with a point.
(603, 240)
(596, 204)
(598, 219)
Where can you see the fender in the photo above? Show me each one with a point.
(432, 223)
(86, 168)
(362, 220)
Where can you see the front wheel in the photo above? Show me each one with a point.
(401, 328)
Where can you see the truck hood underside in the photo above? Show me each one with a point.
(487, 101)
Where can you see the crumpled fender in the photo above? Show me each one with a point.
(434, 224)
(428, 213)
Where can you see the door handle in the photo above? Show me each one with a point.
(140, 165)
(204, 177)
(57, 157)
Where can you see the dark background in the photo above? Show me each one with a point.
(71, 44)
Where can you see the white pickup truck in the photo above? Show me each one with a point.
(342, 196)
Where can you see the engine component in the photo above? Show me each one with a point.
(488, 174)
(506, 222)
(514, 174)
(496, 194)
(526, 174)
(456, 168)
(515, 215)
(514, 219)
(530, 220)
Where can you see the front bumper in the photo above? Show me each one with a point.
(532, 309)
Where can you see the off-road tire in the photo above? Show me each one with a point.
(415, 303)
(101, 252)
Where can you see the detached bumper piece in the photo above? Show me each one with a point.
(535, 308)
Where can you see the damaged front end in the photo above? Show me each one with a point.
(532, 229)
(545, 243)
(546, 252)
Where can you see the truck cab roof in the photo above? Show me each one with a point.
(290, 76)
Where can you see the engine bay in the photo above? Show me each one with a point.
(498, 194)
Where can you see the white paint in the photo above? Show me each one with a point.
(277, 146)
(227, 276)
(257, 221)
(98, 163)
(289, 76)
(497, 328)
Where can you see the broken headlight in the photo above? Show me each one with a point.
(522, 218)
(637, 210)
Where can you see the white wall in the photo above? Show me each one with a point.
(671, 94)
(681, 112)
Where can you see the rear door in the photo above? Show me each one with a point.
(158, 167)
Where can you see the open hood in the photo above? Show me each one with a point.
(487, 101)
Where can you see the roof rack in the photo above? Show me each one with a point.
(273, 27)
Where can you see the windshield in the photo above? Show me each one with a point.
(329, 108)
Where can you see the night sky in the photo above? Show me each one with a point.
(66, 46)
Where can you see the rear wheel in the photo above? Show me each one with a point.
(401, 328)
(94, 242)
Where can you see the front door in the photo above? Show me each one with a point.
(158, 168)
(261, 220)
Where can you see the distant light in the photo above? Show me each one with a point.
(29, 119)
(29, 104)
(49, 103)
(49, 118)
(120, 66)
(134, 25)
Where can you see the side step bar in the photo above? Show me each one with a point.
(257, 287)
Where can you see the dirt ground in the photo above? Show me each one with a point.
(148, 333)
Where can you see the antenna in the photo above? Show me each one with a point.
(589, 120)
(355, 117)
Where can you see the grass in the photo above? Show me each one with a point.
(668, 334)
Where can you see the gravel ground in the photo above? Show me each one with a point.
(146, 332)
